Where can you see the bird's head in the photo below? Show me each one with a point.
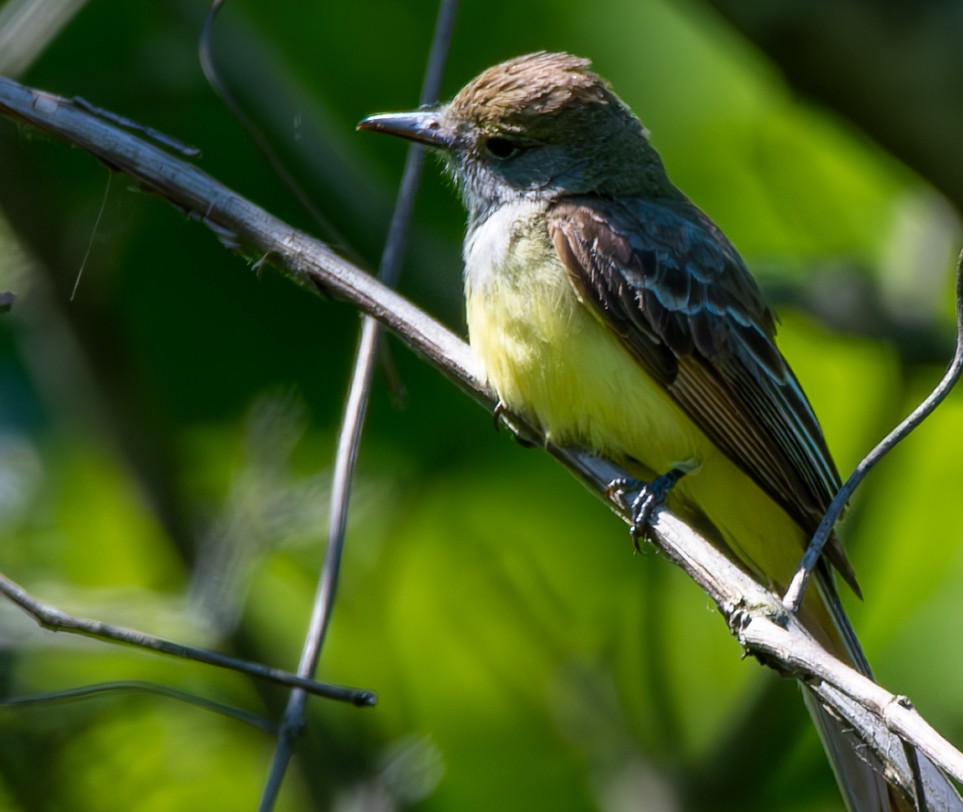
(538, 125)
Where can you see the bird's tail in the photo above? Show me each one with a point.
(858, 773)
(861, 784)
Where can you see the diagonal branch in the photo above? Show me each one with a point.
(755, 616)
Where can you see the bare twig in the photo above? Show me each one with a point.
(877, 717)
(161, 138)
(58, 621)
(141, 687)
(349, 438)
(794, 595)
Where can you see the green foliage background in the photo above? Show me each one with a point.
(165, 439)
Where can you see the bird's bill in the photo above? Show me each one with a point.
(423, 126)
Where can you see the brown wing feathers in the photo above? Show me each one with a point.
(671, 286)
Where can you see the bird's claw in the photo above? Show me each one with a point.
(647, 496)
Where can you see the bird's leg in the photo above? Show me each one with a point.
(646, 497)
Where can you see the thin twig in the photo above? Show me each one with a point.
(143, 687)
(93, 235)
(58, 621)
(352, 424)
(797, 587)
(165, 140)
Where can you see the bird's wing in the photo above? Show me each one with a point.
(666, 280)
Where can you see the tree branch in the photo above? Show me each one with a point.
(57, 621)
(755, 616)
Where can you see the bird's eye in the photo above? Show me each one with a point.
(503, 148)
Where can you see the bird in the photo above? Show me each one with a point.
(604, 307)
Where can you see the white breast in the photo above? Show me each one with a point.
(486, 249)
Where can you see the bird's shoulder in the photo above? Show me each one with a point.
(671, 267)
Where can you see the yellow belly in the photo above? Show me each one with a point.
(553, 361)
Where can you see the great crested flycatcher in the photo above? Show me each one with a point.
(607, 309)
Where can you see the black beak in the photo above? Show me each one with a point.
(423, 126)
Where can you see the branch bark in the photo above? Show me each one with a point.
(755, 616)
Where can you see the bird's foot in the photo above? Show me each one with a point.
(640, 499)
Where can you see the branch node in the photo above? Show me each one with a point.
(902, 701)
